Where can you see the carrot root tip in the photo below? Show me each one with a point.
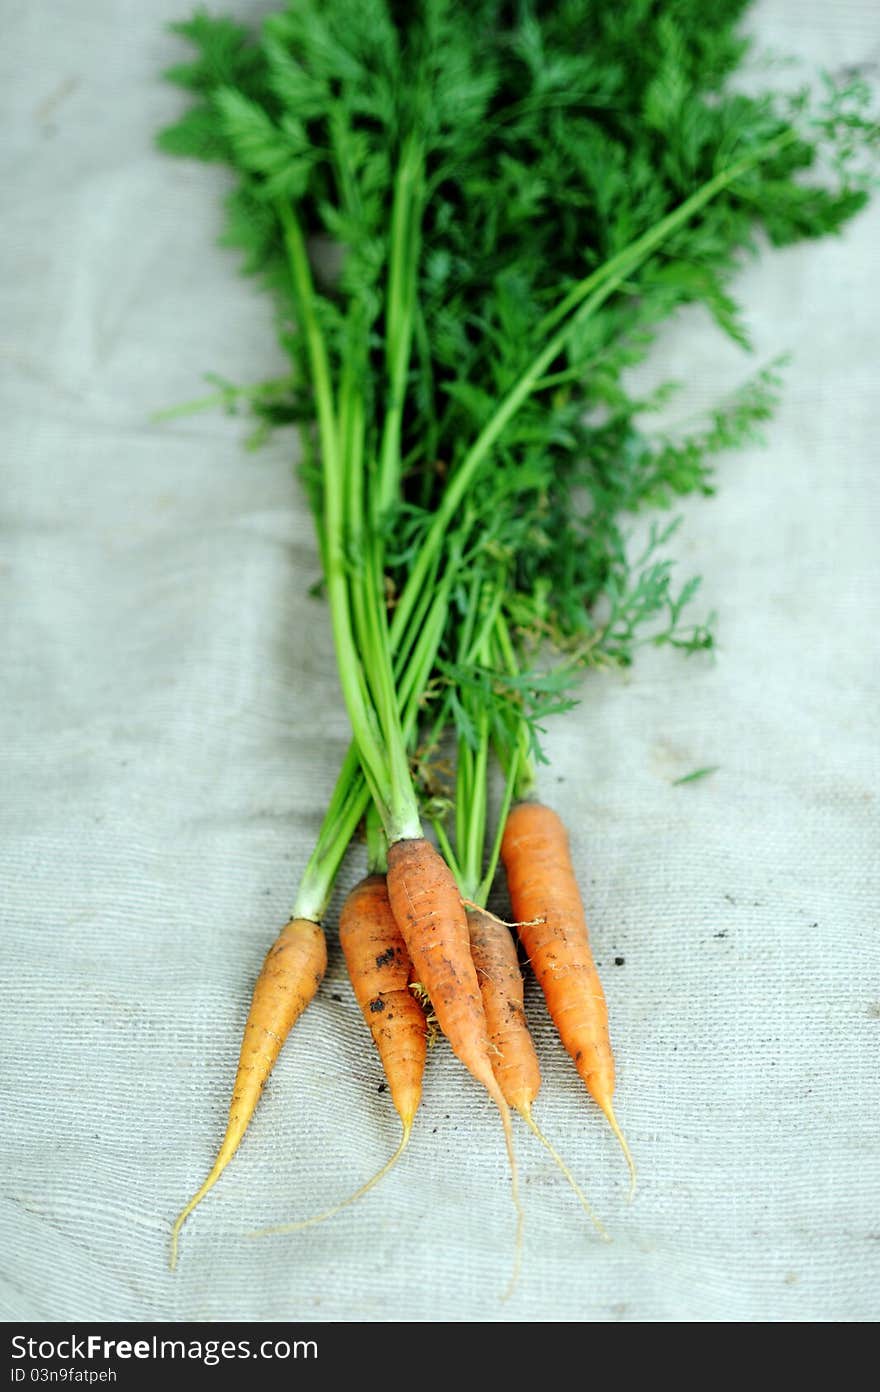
(498, 1098)
(280, 1229)
(526, 1114)
(615, 1127)
(177, 1226)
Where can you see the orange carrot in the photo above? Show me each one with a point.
(514, 1059)
(428, 910)
(379, 968)
(291, 974)
(427, 907)
(545, 898)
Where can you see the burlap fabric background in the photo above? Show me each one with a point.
(173, 726)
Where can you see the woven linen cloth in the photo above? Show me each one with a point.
(172, 728)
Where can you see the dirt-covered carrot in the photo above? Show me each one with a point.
(291, 974)
(513, 1054)
(381, 973)
(546, 901)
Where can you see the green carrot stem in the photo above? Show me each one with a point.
(351, 674)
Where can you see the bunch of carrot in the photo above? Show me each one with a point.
(518, 203)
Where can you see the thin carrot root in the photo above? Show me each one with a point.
(615, 1127)
(290, 976)
(526, 1114)
(424, 1000)
(503, 1108)
(516, 1074)
(227, 1150)
(352, 1198)
(527, 923)
(490, 1083)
